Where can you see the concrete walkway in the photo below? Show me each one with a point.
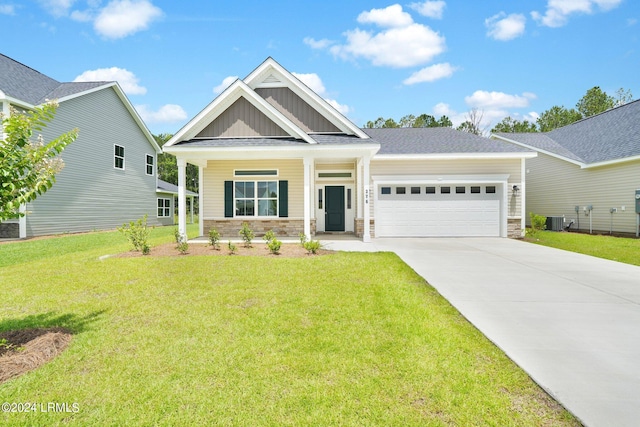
(571, 321)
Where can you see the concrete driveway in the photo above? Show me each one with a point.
(571, 321)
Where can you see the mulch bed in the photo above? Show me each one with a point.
(288, 250)
(27, 349)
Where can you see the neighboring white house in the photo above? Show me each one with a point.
(587, 172)
(109, 175)
(273, 153)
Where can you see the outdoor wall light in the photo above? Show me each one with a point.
(516, 189)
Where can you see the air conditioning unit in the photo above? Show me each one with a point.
(555, 223)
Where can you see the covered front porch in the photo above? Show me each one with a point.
(290, 189)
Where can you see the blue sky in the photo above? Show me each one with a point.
(368, 58)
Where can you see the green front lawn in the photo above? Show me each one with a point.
(342, 339)
(620, 249)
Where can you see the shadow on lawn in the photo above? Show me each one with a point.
(72, 322)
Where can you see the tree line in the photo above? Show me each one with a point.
(595, 101)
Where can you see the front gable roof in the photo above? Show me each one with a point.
(609, 137)
(269, 74)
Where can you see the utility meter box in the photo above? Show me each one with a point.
(638, 201)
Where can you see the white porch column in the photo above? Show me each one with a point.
(359, 190)
(367, 196)
(307, 196)
(182, 200)
(200, 200)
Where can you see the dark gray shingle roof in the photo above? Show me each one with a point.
(612, 135)
(441, 140)
(26, 84)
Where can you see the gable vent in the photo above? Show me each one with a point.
(271, 79)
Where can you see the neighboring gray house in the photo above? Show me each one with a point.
(109, 175)
(587, 172)
(167, 194)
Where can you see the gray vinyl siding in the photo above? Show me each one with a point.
(89, 192)
(296, 109)
(241, 119)
(555, 187)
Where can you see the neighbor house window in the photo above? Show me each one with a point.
(256, 198)
(119, 157)
(164, 208)
(149, 161)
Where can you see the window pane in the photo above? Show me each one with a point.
(249, 189)
(385, 190)
(159, 211)
(491, 189)
(401, 190)
(160, 203)
(263, 190)
(267, 207)
(166, 212)
(250, 208)
(167, 203)
(415, 190)
(460, 190)
(239, 190)
(445, 190)
(475, 190)
(430, 190)
(240, 208)
(273, 189)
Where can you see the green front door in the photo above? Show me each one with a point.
(334, 208)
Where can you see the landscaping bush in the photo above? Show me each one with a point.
(138, 234)
(232, 248)
(274, 246)
(312, 246)
(214, 239)
(538, 223)
(247, 234)
(269, 236)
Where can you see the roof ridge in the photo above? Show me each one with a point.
(32, 69)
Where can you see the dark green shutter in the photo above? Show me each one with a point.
(228, 199)
(283, 196)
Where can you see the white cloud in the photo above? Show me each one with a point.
(317, 44)
(7, 9)
(169, 113)
(314, 82)
(82, 16)
(430, 9)
(121, 18)
(397, 47)
(558, 11)
(496, 100)
(226, 82)
(431, 74)
(503, 27)
(392, 16)
(57, 8)
(125, 78)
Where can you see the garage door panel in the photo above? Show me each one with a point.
(456, 218)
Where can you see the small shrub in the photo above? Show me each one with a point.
(137, 233)
(214, 239)
(176, 236)
(269, 236)
(312, 246)
(232, 248)
(146, 250)
(4, 344)
(303, 239)
(183, 247)
(247, 234)
(538, 223)
(274, 246)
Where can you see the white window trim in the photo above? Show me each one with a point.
(146, 164)
(250, 177)
(256, 198)
(124, 163)
(164, 199)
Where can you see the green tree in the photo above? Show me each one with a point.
(28, 167)
(168, 166)
(595, 101)
(556, 117)
(473, 124)
(422, 121)
(623, 97)
(511, 125)
(407, 121)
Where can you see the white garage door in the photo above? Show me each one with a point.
(458, 213)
